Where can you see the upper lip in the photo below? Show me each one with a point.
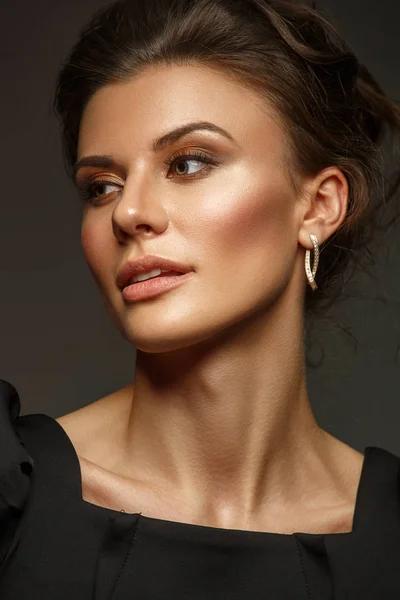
(144, 264)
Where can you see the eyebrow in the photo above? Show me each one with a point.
(159, 144)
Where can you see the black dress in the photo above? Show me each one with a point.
(56, 546)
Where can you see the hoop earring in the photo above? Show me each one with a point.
(311, 274)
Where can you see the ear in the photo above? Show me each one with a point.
(326, 207)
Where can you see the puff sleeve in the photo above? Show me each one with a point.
(16, 467)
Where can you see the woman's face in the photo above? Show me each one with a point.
(233, 220)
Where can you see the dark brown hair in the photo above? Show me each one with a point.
(334, 111)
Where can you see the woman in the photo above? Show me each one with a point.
(219, 147)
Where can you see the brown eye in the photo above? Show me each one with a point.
(181, 167)
(190, 165)
(100, 186)
(94, 191)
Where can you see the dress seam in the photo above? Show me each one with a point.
(303, 570)
(125, 560)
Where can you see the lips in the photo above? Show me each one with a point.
(146, 264)
(153, 287)
(166, 274)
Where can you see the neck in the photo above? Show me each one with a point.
(227, 425)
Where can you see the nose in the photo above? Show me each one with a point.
(138, 211)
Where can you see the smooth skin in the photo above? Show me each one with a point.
(216, 427)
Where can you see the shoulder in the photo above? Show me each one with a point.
(16, 466)
(92, 427)
(15, 462)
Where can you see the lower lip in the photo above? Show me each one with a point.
(153, 287)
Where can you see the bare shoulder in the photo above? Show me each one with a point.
(345, 453)
(90, 426)
(348, 463)
(97, 431)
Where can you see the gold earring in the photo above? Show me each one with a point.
(311, 274)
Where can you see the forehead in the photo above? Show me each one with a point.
(135, 112)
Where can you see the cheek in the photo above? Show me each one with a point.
(89, 241)
(248, 242)
(254, 218)
(95, 248)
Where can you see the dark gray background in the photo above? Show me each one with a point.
(58, 347)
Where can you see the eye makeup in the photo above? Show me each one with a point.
(87, 186)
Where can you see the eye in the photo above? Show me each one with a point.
(185, 166)
(98, 185)
(94, 191)
(180, 166)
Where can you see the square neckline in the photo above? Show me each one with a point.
(74, 464)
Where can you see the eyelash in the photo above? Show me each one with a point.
(86, 189)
